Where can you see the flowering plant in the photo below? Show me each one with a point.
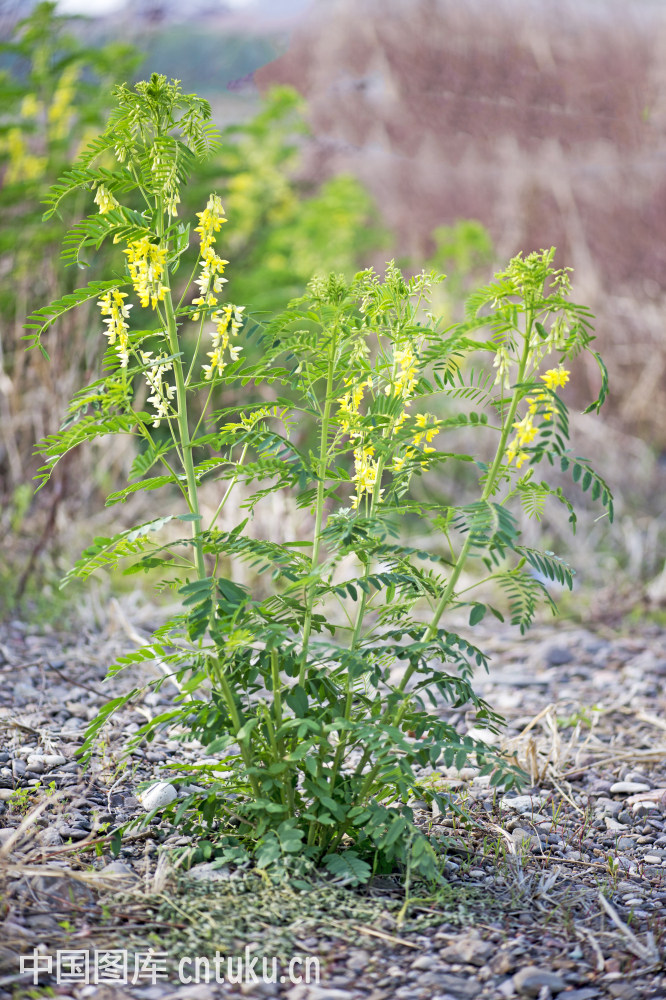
(321, 705)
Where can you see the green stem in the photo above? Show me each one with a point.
(245, 747)
(183, 428)
(319, 511)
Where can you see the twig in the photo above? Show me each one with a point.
(382, 934)
(633, 943)
(584, 932)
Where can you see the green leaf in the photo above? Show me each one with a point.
(348, 867)
(603, 391)
(297, 700)
(477, 614)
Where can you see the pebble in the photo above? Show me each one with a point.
(46, 760)
(119, 869)
(628, 787)
(72, 832)
(210, 871)
(530, 981)
(522, 803)
(469, 949)
(157, 796)
(59, 891)
(558, 656)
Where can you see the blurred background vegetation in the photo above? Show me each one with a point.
(440, 134)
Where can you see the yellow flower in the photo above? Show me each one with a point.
(105, 200)
(116, 311)
(210, 281)
(425, 431)
(555, 377)
(405, 377)
(350, 405)
(228, 322)
(31, 107)
(146, 262)
(365, 477)
(212, 219)
(525, 430)
(60, 111)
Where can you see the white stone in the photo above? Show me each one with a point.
(522, 804)
(482, 735)
(628, 787)
(157, 796)
(208, 871)
(47, 760)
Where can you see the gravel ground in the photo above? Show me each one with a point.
(557, 891)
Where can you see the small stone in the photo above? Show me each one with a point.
(6, 794)
(524, 838)
(19, 767)
(522, 804)
(72, 832)
(49, 837)
(359, 959)
(61, 891)
(121, 873)
(6, 834)
(424, 962)
(157, 796)
(626, 843)
(530, 980)
(628, 787)
(652, 859)
(470, 949)
(210, 871)
(47, 760)
(643, 808)
(557, 656)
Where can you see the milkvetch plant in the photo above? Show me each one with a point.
(319, 705)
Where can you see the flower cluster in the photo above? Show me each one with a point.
(365, 473)
(211, 221)
(105, 200)
(210, 282)
(525, 429)
(503, 364)
(365, 469)
(228, 322)
(60, 110)
(146, 262)
(113, 307)
(22, 165)
(350, 408)
(405, 377)
(163, 393)
(424, 431)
